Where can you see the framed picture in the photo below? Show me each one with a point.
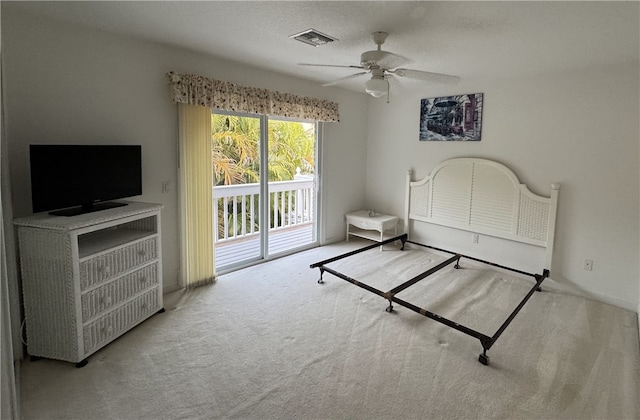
(451, 118)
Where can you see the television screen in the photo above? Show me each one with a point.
(86, 176)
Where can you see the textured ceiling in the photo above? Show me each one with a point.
(466, 39)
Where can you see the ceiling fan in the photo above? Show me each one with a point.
(384, 65)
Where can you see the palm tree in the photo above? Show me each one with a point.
(234, 149)
(291, 146)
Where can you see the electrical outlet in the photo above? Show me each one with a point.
(475, 238)
(588, 265)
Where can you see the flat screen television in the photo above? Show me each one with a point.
(76, 179)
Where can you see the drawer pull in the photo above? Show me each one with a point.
(106, 300)
(106, 270)
(142, 253)
(107, 330)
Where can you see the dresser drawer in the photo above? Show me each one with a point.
(364, 223)
(101, 331)
(112, 294)
(96, 270)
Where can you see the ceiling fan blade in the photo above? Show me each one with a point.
(426, 76)
(330, 65)
(342, 79)
(391, 60)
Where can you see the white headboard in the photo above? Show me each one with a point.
(483, 196)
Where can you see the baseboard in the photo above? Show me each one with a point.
(166, 289)
(620, 303)
(573, 288)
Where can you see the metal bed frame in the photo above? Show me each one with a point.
(476, 195)
(486, 341)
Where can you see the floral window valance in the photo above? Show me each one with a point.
(198, 90)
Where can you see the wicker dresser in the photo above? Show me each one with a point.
(88, 279)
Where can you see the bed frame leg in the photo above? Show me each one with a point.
(320, 281)
(540, 278)
(390, 307)
(483, 358)
(457, 266)
(486, 345)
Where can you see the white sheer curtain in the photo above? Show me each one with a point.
(196, 195)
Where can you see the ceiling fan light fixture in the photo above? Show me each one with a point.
(376, 87)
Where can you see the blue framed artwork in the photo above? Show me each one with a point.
(451, 118)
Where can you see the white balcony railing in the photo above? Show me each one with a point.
(235, 207)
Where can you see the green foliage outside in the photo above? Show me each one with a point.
(235, 149)
(236, 160)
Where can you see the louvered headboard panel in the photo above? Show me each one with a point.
(483, 196)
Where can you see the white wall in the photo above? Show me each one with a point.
(579, 128)
(66, 84)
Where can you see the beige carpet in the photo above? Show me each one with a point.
(268, 342)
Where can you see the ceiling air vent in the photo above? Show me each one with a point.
(313, 37)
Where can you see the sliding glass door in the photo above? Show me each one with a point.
(291, 187)
(236, 191)
(264, 193)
